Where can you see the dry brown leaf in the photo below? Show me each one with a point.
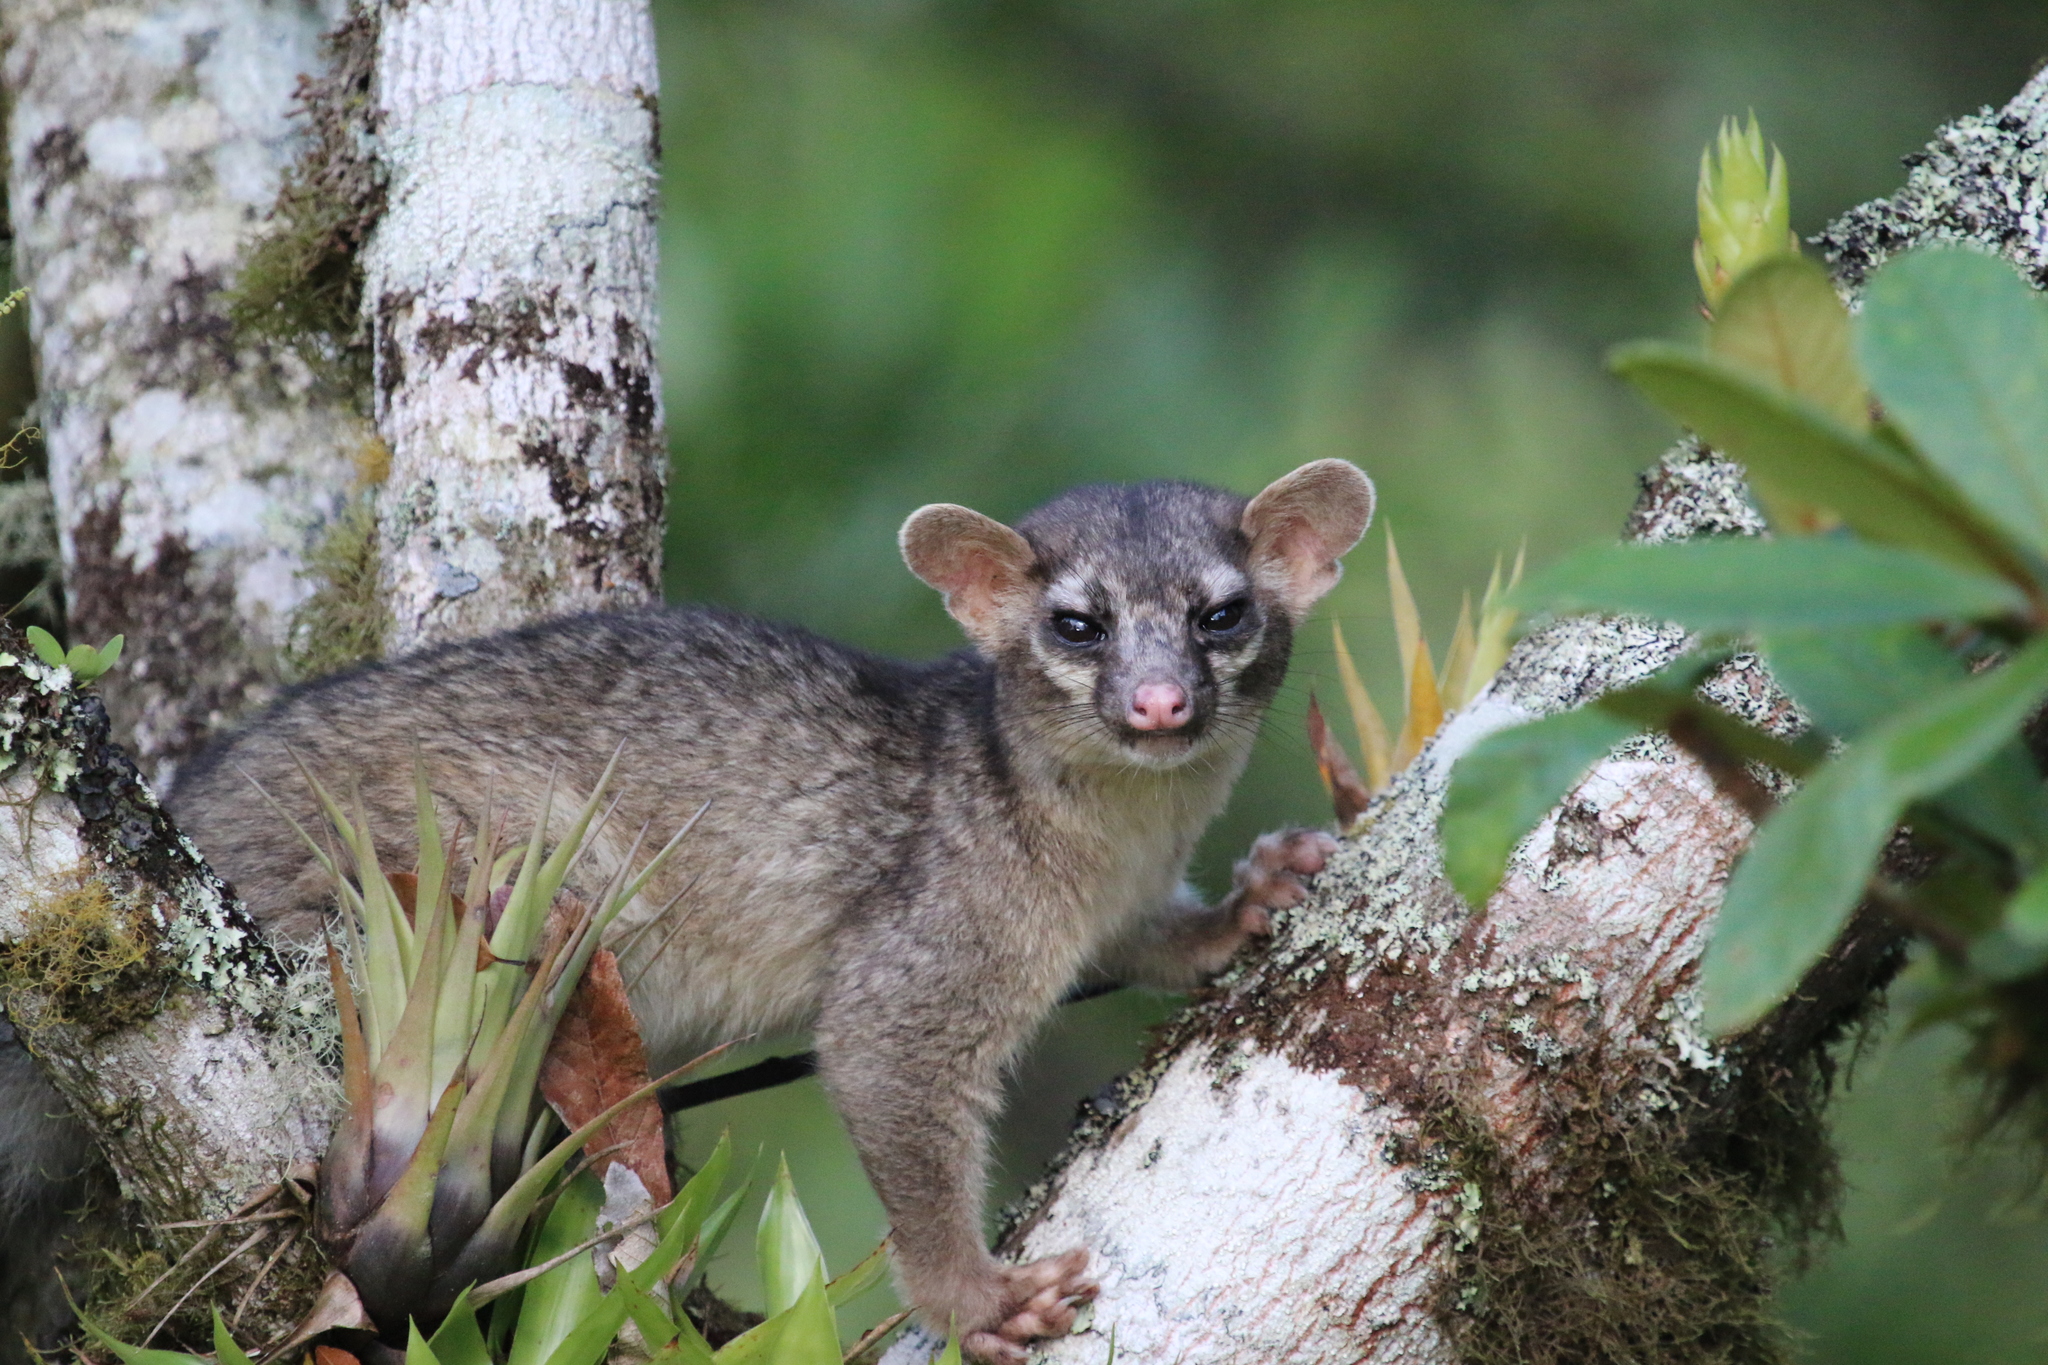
(406, 886)
(336, 1306)
(333, 1355)
(1340, 779)
(596, 1060)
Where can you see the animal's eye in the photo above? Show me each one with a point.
(1223, 618)
(1077, 630)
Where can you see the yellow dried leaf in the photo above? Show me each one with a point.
(1457, 672)
(1425, 708)
(1407, 620)
(1373, 743)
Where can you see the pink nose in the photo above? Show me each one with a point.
(1158, 706)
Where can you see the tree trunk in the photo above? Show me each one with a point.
(192, 467)
(194, 1054)
(1408, 1133)
(511, 289)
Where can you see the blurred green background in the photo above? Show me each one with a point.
(982, 250)
(979, 251)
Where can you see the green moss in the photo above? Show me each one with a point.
(300, 284)
(91, 956)
(343, 622)
(1645, 1234)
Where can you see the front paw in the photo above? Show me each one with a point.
(1270, 879)
(1040, 1300)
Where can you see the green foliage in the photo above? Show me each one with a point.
(1903, 605)
(85, 662)
(1811, 861)
(432, 1174)
(1957, 351)
(1808, 583)
(566, 1316)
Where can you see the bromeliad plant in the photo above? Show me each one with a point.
(431, 1178)
(567, 1315)
(1429, 694)
(1902, 460)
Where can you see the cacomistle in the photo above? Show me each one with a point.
(915, 861)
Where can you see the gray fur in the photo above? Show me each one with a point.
(45, 1179)
(913, 860)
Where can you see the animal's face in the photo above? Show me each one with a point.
(1151, 641)
(1149, 623)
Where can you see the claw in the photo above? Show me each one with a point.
(1046, 1297)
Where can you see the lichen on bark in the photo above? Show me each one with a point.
(511, 292)
(191, 466)
(196, 1059)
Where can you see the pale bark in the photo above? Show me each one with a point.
(192, 468)
(190, 1051)
(1305, 1170)
(511, 289)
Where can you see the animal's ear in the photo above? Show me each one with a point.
(980, 565)
(1302, 524)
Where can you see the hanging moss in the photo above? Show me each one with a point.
(91, 956)
(300, 284)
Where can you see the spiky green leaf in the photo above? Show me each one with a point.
(567, 1295)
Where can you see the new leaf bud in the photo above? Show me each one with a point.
(1745, 208)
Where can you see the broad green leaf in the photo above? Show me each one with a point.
(689, 1347)
(2004, 801)
(225, 1351)
(1802, 582)
(1808, 866)
(1849, 680)
(417, 1352)
(649, 1314)
(811, 1336)
(805, 1333)
(556, 1302)
(1783, 320)
(755, 1345)
(1508, 782)
(458, 1340)
(2026, 914)
(46, 647)
(1798, 458)
(787, 1249)
(1957, 345)
(861, 1278)
(683, 1220)
(591, 1337)
(136, 1355)
(951, 1355)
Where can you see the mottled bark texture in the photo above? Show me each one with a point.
(511, 291)
(192, 1057)
(1411, 1133)
(191, 467)
(1979, 181)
